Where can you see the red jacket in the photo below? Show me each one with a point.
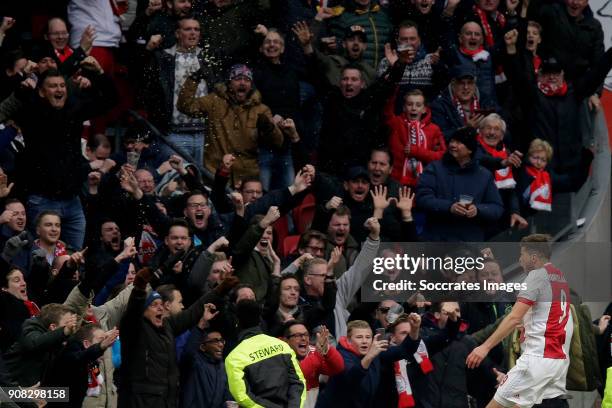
(436, 146)
(315, 364)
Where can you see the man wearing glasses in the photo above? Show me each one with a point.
(202, 370)
(67, 58)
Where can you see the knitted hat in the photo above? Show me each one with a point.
(151, 298)
(239, 70)
(467, 136)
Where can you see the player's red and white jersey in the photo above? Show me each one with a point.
(548, 324)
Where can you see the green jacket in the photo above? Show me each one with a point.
(263, 372)
(377, 25)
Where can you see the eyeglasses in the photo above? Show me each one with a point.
(258, 192)
(315, 248)
(298, 335)
(219, 340)
(317, 274)
(195, 206)
(384, 310)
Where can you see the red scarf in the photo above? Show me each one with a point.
(551, 90)
(484, 21)
(503, 177)
(537, 61)
(60, 248)
(461, 112)
(402, 382)
(64, 54)
(94, 379)
(119, 8)
(540, 190)
(417, 138)
(32, 308)
(478, 54)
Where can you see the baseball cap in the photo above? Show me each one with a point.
(551, 64)
(463, 71)
(355, 172)
(240, 70)
(355, 31)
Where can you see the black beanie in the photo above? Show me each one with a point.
(467, 136)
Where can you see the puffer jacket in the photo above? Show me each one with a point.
(441, 185)
(232, 127)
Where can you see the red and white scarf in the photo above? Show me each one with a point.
(503, 177)
(484, 21)
(540, 190)
(461, 111)
(479, 54)
(402, 383)
(94, 380)
(550, 90)
(489, 40)
(417, 138)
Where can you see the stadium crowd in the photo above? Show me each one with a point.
(208, 250)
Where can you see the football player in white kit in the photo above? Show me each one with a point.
(543, 309)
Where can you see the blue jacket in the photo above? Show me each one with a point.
(440, 186)
(203, 379)
(356, 387)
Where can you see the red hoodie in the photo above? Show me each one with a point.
(315, 364)
(434, 149)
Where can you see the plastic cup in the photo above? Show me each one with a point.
(133, 158)
(465, 199)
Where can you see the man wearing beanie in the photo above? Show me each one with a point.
(149, 371)
(263, 370)
(238, 123)
(458, 196)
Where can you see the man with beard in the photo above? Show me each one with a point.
(164, 77)
(355, 43)
(458, 196)
(238, 122)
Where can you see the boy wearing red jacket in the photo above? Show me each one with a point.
(415, 140)
(314, 361)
